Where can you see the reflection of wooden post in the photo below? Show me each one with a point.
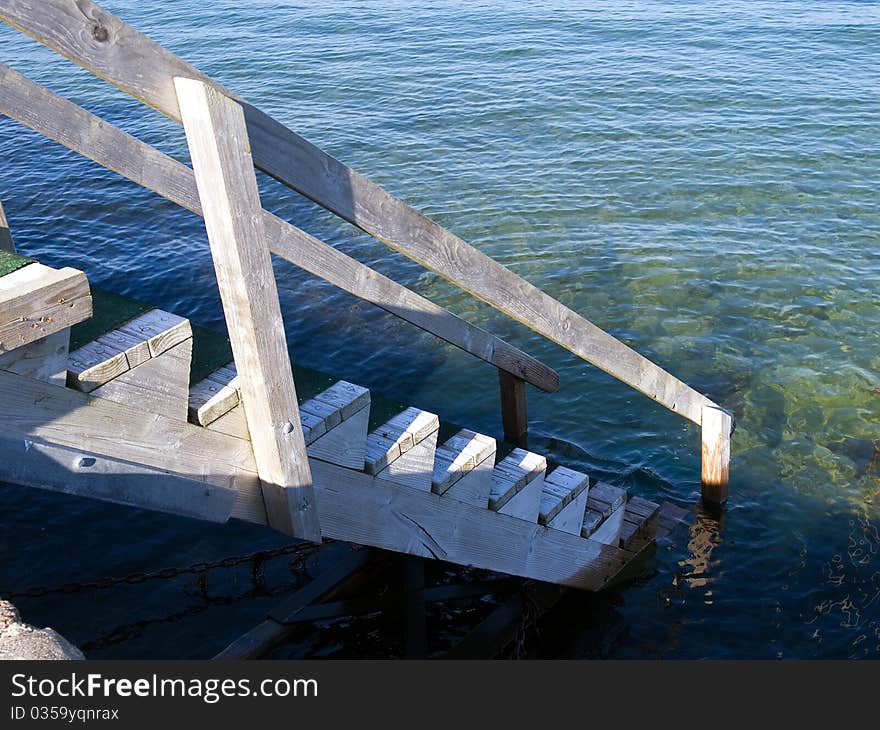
(717, 426)
(5, 236)
(514, 412)
(227, 185)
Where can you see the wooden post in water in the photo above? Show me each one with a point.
(5, 236)
(717, 426)
(227, 185)
(514, 409)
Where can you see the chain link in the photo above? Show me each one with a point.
(257, 558)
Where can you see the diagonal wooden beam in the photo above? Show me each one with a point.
(113, 50)
(218, 144)
(68, 124)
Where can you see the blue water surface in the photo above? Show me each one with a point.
(700, 179)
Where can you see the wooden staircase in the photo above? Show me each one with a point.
(244, 440)
(144, 364)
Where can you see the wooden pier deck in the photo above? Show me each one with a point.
(132, 410)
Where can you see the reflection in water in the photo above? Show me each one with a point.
(705, 536)
(853, 577)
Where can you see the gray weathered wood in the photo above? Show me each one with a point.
(158, 385)
(214, 395)
(41, 110)
(354, 506)
(159, 329)
(346, 444)
(608, 532)
(227, 184)
(37, 300)
(31, 410)
(6, 243)
(571, 517)
(512, 474)
(86, 473)
(44, 359)
(116, 52)
(715, 441)
(413, 468)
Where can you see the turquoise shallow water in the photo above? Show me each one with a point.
(700, 179)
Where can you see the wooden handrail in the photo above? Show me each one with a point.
(113, 50)
(56, 118)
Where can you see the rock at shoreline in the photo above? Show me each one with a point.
(21, 641)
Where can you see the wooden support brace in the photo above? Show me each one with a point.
(227, 185)
(514, 412)
(716, 430)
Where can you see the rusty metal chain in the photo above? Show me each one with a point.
(257, 558)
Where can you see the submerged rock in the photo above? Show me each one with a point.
(21, 641)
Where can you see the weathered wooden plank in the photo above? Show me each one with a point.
(160, 330)
(458, 456)
(136, 349)
(347, 397)
(159, 385)
(213, 396)
(512, 474)
(6, 243)
(77, 129)
(94, 364)
(85, 473)
(358, 508)
(414, 467)
(526, 503)
(608, 533)
(354, 506)
(220, 151)
(36, 411)
(561, 486)
(346, 444)
(715, 442)
(36, 301)
(232, 423)
(397, 436)
(604, 498)
(514, 408)
(571, 517)
(44, 359)
(474, 487)
(592, 520)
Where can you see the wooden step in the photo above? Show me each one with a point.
(608, 502)
(640, 520)
(334, 422)
(143, 363)
(463, 468)
(344, 444)
(214, 396)
(517, 483)
(402, 449)
(37, 301)
(564, 500)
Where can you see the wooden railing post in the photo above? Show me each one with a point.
(227, 185)
(717, 427)
(514, 409)
(5, 236)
